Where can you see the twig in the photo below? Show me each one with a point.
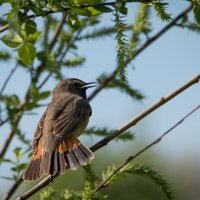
(117, 132)
(57, 32)
(143, 47)
(105, 182)
(8, 78)
(13, 188)
(3, 28)
(8, 139)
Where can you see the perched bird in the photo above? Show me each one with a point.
(55, 144)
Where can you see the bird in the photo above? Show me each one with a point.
(55, 146)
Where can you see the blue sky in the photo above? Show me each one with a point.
(164, 66)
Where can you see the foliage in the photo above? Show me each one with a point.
(17, 166)
(160, 9)
(127, 135)
(122, 47)
(141, 170)
(196, 10)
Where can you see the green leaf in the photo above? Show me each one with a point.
(32, 38)
(81, 11)
(74, 62)
(11, 101)
(4, 55)
(30, 27)
(21, 167)
(160, 9)
(38, 11)
(31, 106)
(27, 53)
(99, 9)
(94, 11)
(13, 18)
(124, 10)
(86, 2)
(74, 22)
(196, 11)
(34, 93)
(17, 152)
(6, 160)
(12, 40)
(103, 9)
(44, 95)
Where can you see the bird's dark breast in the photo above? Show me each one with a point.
(83, 94)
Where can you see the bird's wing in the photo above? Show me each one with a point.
(71, 118)
(38, 132)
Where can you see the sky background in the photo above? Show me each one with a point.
(164, 66)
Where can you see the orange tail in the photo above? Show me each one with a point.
(68, 154)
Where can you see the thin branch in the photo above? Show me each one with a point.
(57, 32)
(8, 139)
(105, 182)
(3, 28)
(13, 188)
(117, 132)
(140, 50)
(8, 79)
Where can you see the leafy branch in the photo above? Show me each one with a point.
(122, 46)
(114, 174)
(27, 96)
(126, 165)
(104, 132)
(112, 75)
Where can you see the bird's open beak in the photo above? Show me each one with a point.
(88, 85)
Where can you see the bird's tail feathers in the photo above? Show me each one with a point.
(68, 154)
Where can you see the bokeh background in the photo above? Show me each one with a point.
(164, 66)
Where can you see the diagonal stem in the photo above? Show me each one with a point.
(8, 79)
(105, 182)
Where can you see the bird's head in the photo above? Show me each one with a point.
(73, 86)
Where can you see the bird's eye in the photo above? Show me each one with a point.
(76, 85)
